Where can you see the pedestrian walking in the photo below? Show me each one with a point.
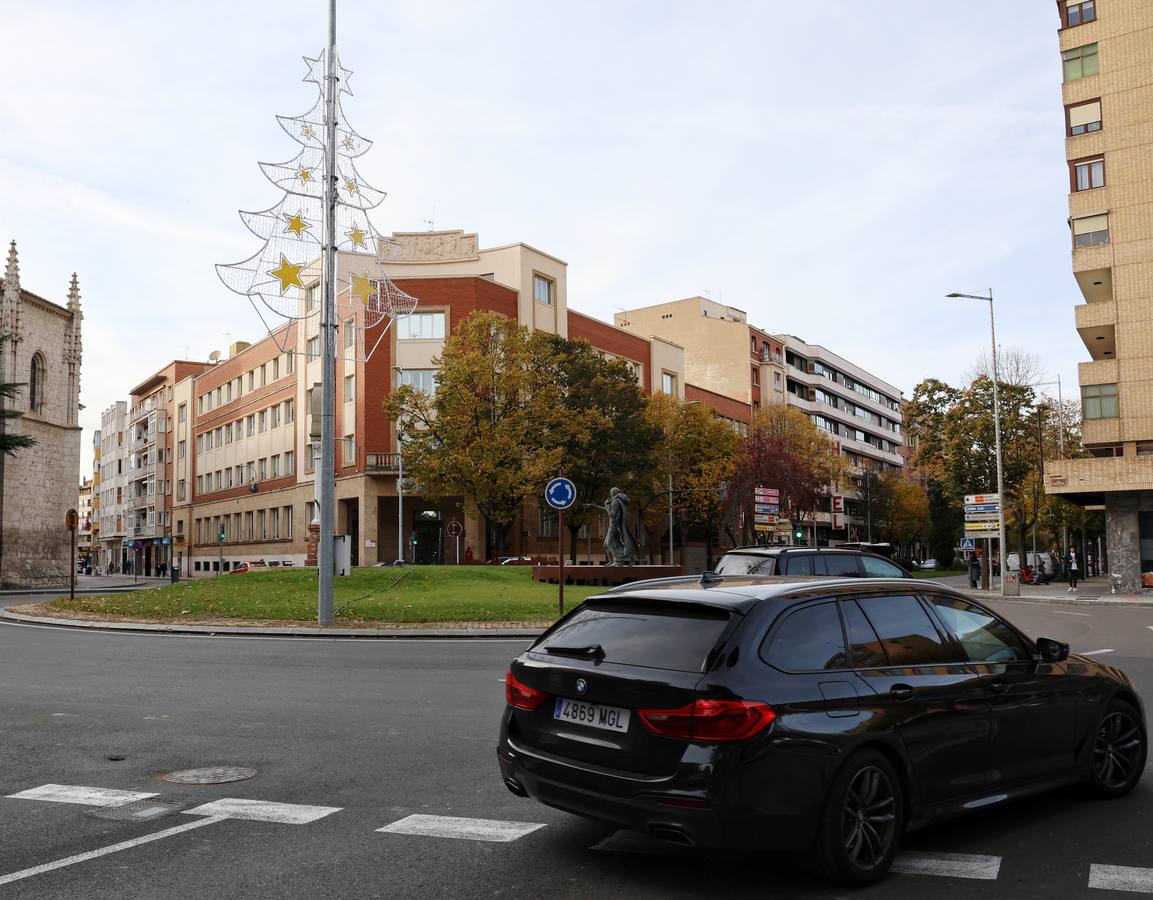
(974, 571)
(1089, 573)
(1074, 566)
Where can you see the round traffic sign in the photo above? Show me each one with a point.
(560, 493)
(455, 529)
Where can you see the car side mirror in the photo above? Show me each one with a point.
(1049, 650)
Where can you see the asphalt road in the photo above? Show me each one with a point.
(361, 735)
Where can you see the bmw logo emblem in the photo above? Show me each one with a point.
(582, 686)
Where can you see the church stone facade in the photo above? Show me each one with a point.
(40, 349)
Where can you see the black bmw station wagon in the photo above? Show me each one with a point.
(824, 716)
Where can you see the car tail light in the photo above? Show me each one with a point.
(710, 720)
(520, 695)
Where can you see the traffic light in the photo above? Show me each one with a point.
(220, 537)
(798, 534)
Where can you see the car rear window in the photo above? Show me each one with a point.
(745, 564)
(652, 635)
(841, 564)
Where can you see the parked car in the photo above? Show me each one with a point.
(927, 565)
(241, 568)
(808, 561)
(827, 716)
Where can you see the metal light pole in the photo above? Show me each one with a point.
(399, 479)
(996, 432)
(326, 473)
(672, 559)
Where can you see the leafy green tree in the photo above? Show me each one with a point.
(614, 441)
(496, 427)
(10, 442)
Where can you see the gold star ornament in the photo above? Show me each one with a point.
(363, 288)
(306, 131)
(350, 185)
(357, 237)
(296, 224)
(304, 174)
(287, 274)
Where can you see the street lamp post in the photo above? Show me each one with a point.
(996, 431)
(399, 479)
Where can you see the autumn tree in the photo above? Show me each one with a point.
(899, 509)
(785, 450)
(693, 454)
(496, 427)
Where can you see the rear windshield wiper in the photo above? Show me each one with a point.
(591, 651)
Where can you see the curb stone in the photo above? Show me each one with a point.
(316, 632)
(1110, 600)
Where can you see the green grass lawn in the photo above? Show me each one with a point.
(423, 594)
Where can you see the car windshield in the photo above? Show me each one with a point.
(745, 564)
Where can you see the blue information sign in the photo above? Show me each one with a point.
(560, 493)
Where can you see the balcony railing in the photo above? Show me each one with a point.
(382, 463)
(145, 531)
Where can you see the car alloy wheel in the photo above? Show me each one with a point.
(862, 823)
(868, 823)
(1118, 750)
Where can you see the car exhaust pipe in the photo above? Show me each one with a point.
(672, 834)
(516, 787)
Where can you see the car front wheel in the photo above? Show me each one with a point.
(1119, 750)
(862, 823)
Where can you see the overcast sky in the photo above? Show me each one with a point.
(832, 167)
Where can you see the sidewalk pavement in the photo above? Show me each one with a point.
(1090, 592)
(93, 584)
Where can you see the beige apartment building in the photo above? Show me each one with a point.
(727, 360)
(1107, 67)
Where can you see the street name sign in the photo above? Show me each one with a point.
(982, 498)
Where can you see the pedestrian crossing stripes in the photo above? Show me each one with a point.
(948, 865)
(1121, 878)
(461, 829)
(85, 796)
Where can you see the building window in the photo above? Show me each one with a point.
(289, 411)
(276, 465)
(182, 413)
(251, 425)
(1084, 117)
(1080, 62)
(181, 488)
(349, 449)
(312, 348)
(275, 368)
(756, 375)
(309, 299)
(289, 361)
(274, 416)
(421, 326)
(1088, 174)
(261, 524)
(181, 449)
(251, 381)
(669, 383)
(248, 531)
(274, 523)
(289, 462)
(548, 521)
(262, 469)
(424, 380)
(1078, 13)
(349, 388)
(1099, 401)
(542, 289)
(36, 383)
(286, 521)
(349, 329)
(1091, 231)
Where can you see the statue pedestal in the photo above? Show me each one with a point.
(604, 576)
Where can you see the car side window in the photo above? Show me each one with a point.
(907, 633)
(809, 640)
(865, 650)
(798, 564)
(880, 568)
(983, 637)
(842, 564)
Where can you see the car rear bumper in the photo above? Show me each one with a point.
(683, 808)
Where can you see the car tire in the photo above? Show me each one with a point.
(1119, 749)
(862, 822)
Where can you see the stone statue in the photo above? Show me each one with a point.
(620, 547)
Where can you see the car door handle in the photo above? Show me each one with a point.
(998, 687)
(901, 692)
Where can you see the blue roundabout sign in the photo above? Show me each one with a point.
(560, 493)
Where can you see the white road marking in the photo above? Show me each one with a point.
(1121, 878)
(104, 851)
(1096, 652)
(948, 865)
(86, 796)
(263, 811)
(1062, 612)
(462, 829)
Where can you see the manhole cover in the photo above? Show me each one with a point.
(138, 810)
(213, 775)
